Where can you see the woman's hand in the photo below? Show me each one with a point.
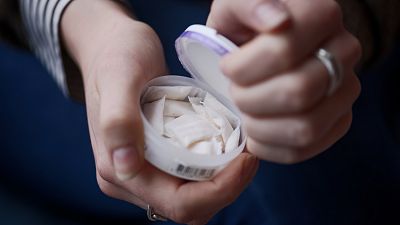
(278, 83)
(117, 56)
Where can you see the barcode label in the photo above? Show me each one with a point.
(192, 172)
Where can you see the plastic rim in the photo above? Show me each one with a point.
(200, 49)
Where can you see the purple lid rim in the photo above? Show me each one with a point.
(207, 41)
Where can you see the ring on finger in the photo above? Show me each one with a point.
(333, 68)
(152, 216)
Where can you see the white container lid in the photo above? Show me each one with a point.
(200, 49)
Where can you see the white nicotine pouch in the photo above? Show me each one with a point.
(192, 128)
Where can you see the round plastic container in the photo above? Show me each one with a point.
(199, 49)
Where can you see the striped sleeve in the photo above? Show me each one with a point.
(41, 19)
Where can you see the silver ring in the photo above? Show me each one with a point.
(152, 216)
(333, 68)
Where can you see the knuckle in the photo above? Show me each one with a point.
(276, 48)
(297, 95)
(303, 133)
(118, 129)
(113, 120)
(282, 48)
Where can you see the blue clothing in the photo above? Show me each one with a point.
(45, 153)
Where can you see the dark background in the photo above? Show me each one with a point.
(47, 173)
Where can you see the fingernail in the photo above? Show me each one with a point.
(271, 14)
(125, 160)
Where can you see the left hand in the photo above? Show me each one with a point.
(278, 83)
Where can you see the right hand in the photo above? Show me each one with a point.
(117, 56)
(278, 84)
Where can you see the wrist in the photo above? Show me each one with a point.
(86, 25)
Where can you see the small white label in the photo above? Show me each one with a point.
(193, 172)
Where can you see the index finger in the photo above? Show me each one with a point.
(268, 54)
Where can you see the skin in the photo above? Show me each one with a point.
(296, 120)
(118, 55)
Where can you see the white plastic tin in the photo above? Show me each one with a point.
(199, 49)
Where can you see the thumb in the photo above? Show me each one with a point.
(121, 126)
(240, 20)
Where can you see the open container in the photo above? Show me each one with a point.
(200, 49)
